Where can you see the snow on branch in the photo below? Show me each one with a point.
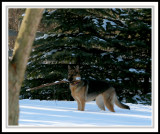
(49, 84)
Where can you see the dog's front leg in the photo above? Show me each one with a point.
(79, 105)
(82, 103)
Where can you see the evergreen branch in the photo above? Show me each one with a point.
(48, 84)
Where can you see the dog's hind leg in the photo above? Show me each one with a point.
(109, 99)
(100, 102)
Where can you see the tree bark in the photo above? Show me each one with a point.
(17, 65)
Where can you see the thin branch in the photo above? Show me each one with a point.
(48, 84)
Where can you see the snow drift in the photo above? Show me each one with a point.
(65, 114)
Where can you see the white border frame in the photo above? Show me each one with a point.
(153, 5)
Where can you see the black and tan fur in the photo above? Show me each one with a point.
(87, 90)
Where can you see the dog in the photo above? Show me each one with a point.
(88, 90)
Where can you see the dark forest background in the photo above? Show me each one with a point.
(112, 44)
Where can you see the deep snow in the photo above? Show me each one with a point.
(65, 114)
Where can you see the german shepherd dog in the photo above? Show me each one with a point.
(87, 90)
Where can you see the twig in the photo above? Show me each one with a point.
(48, 84)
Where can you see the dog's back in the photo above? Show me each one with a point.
(94, 88)
(97, 86)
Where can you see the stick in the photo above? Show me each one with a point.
(49, 84)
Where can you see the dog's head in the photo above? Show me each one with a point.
(73, 74)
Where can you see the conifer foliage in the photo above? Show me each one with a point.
(110, 44)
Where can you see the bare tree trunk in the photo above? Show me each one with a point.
(17, 66)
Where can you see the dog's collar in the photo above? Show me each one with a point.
(75, 83)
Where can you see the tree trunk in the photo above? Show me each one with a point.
(17, 66)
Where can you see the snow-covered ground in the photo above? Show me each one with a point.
(65, 114)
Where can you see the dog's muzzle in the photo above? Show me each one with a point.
(76, 79)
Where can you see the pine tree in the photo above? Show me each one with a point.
(108, 44)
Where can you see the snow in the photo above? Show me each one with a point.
(113, 80)
(138, 99)
(120, 80)
(28, 89)
(65, 79)
(65, 114)
(108, 79)
(126, 79)
(137, 60)
(105, 21)
(53, 11)
(87, 17)
(91, 78)
(119, 58)
(50, 52)
(103, 54)
(137, 71)
(123, 14)
(99, 39)
(95, 22)
(45, 36)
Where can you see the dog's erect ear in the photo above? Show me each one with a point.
(77, 68)
(69, 67)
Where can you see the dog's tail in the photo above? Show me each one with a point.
(119, 104)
